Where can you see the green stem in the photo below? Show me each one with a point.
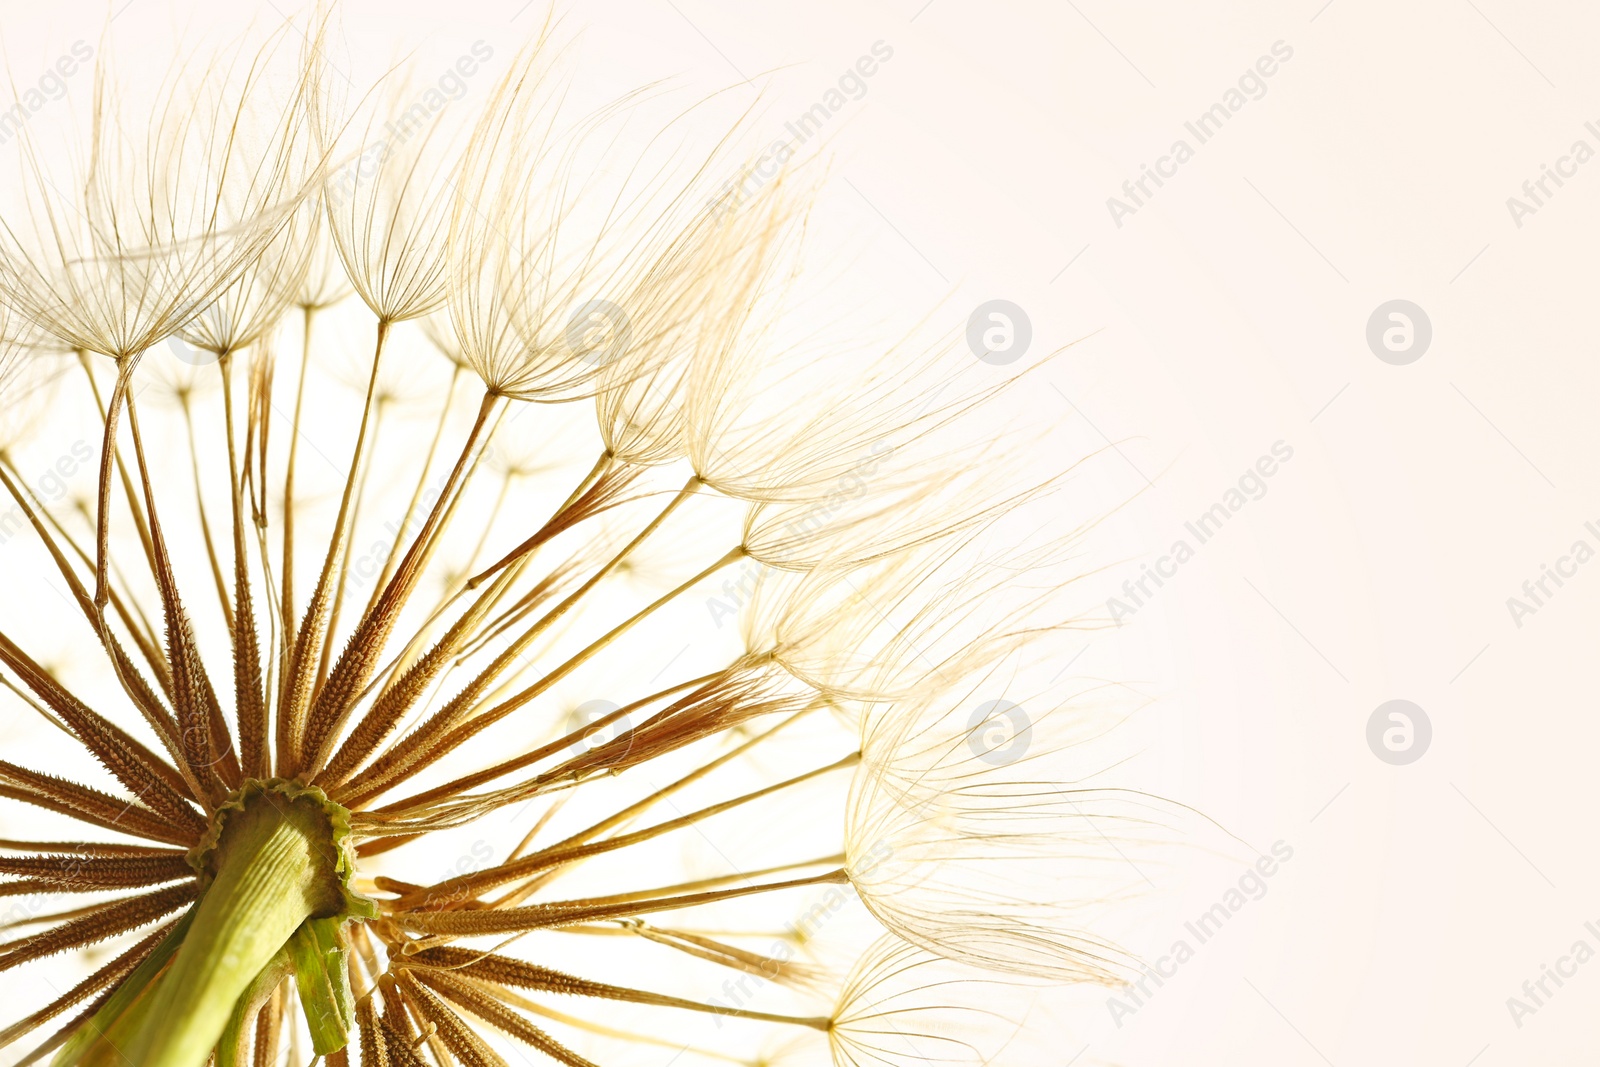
(96, 1042)
(275, 862)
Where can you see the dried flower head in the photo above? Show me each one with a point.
(324, 642)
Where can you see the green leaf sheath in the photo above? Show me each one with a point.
(323, 978)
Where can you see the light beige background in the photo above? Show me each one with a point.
(1225, 315)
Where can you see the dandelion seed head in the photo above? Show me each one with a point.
(570, 647)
